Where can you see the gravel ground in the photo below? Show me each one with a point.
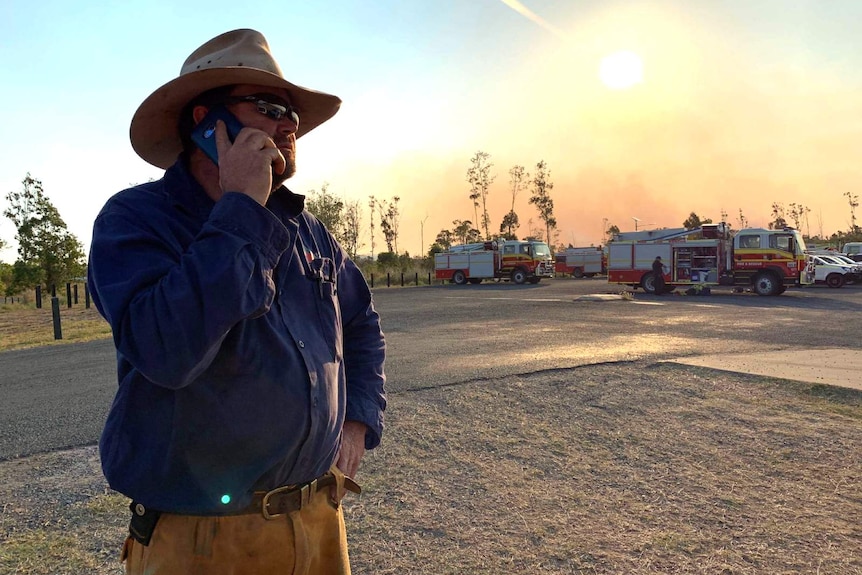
(626, 467)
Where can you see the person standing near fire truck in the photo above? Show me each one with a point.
(658, 275)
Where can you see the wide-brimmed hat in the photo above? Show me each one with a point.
(237, 57)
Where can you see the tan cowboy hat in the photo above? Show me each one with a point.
(237, 57)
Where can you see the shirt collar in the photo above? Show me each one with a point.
(191, 196)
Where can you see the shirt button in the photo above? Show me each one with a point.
(314, 402)
(301, 344)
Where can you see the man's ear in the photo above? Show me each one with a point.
(198, 113)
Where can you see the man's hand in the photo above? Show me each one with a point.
(247, 165)
(352, 447)
(350, 455)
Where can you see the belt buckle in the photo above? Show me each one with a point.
(264, 504)
(305, 491)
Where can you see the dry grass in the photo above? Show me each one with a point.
(58, 517)
(616, 469)
(23, 326)
(620, 468)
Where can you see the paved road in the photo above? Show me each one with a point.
(55, 396)
(58, 396)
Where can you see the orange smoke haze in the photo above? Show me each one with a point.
(713, 127)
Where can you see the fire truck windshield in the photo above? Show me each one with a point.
(789, 243)
(541, 250)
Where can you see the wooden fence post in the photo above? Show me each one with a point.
(55, 313)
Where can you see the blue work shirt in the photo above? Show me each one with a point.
(245, 337)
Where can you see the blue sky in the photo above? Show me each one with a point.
(742, 103)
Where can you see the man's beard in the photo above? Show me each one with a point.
(289, 171)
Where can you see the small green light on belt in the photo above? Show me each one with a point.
(225, 499)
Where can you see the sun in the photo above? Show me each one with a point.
(621, 70)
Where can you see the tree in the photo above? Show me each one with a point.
(435, 248)
(610, 232)
(743, 221)
(443, 240)
(694, 221)
(798, 212)
(535, 233)
(372, 205)
(508, 226)
(480, 179)
(464, 232)
(778, 222)
(328, 208)
(389, 219)
(541, 198)
(6, 279)
(853, 200)
(47, 251)
(25, 276)
(510, 223)
(352, 228)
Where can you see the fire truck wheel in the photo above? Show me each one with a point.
(766, 283)
(519, 276)
(835, 280)
(648, 283)
(578, 273)
(458, 278)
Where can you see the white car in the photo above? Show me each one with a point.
(847, 259)
(823, 270)
(855, 274)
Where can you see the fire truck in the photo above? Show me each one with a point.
(581, 262)
(769, 261)
(518, 261)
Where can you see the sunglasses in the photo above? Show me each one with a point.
(269, 109)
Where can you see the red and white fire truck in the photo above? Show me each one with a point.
(581, 262)
(518, 261)
(769, 261)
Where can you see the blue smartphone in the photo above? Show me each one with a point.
(203, 135)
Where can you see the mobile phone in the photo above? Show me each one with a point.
(203, 135)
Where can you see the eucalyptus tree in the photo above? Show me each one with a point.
(480, 179)
(541, 198)
(47, 251)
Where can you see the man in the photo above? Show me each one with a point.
(250, 356)
(658, 275)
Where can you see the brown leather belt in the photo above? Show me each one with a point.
(292, 497)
